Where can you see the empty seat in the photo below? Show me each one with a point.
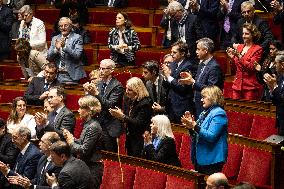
(178, 183)
(232, 166)
(239, 123)
(262, 127)
(255, 167)
(112, 177)
(184, 153)
(148, 179)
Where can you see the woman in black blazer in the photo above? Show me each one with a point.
(159, 145)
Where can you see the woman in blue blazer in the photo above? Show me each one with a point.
(209, 133)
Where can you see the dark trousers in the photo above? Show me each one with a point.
(210, 169)
(109, 142)
(97, 170)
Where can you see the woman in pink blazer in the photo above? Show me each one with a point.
(245, 56)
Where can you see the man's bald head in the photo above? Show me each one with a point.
(218, 180)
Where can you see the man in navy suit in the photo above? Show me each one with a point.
(44, 165)
(109, 92)
(66, 51)
(28, 157)
(37, 90)
(208, 73)
(276, 85)
(180, 96)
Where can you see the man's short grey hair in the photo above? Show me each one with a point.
(247, 4)
(65, 18)
(24, 131)
(26, 9)
(110, 62)
(175, 6)
(280, 57)
(206, 43)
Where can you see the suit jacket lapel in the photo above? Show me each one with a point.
(60, 114)
(108, 87)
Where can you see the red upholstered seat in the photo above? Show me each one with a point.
(157, 17)
(255, 167)
(145, 55)
(90, 55)
(144, 4)
(103, 54)
(148, 179)
(262, 127)
(178, 183)
(9, 95)
(4, 115)
(222, 60)
(239, 123)
(78, 128)
(122, 148)
(112, 178)
(102, 17)
(53, 15)
(72, 101)
(123, 77)
(232, 166)
(184, 153)
(178, 139)
(11, 71)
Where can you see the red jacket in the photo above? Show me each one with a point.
(245, 77)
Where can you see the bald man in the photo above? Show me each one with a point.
(218, 181)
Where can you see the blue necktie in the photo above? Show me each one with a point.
(103, 88)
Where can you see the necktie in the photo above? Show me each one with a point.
(18, 161)
(62, 58)
(202, 66)
(45, 87)
(227, 19)
(103, 88)
(52, 117)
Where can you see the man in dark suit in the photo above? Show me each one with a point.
(6, 21)
(109, 92)
(207, 16)
(276, 86)
(37, 90)
(180, 96)
(116, 3)
(188, 29)
(44, 165)
(262, 25)
(154, 84)
(208, 72)
(74, 173)
(278, 16)
(27, 159)
(62, 117)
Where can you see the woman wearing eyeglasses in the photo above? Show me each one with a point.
(209, 133)
(90, 142)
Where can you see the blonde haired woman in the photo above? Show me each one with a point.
(90, 141)
(136, 116)
(159, 145)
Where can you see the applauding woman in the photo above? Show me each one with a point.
(123, 41)
(90, 141)
(209, 133)
(245, 57)
(159, 145)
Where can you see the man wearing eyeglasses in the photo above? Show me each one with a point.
(60, 118)
(248, 16)
(33, 30)
(66, 50)
(217, 181)
(109, 92)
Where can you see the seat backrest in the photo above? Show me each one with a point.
(232, 166)
(178, 139)
(184, 153)
(178, 183)
(255, 167)
(112, 177)
(262, 127)
(148, 179)
(239, 123)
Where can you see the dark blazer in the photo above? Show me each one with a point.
(112, 97)
(40, 178)
(165, 153)
(89, 143)
(207, 16)
(65, 119)
(8, 151)
(279, 19)
(35, 89)
(120, 3)
(75, 174)
(278, 101)
(262, 25)
(180, 96)
(212, 75)
(138, 116)
(6, 22)
(162, 94)
(28, 164)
